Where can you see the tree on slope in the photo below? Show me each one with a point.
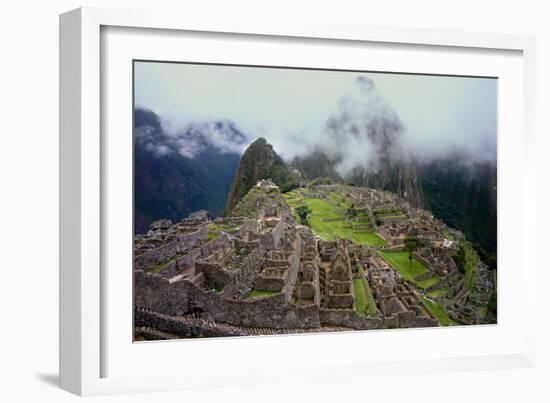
(303, 212)
(412, 243)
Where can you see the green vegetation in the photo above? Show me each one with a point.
(211, 284)
(437, 293)
(400, 261)
(470, 264)
(255, 200)
(489, 258)
(214, 229)
(465, 200)
(336, 197)
(293, 198)
(303, 212)
(316, 164)
(412, 244)
(386, 210)
(247, 206)
(259, 294)
(321, 181)
(409, 270)
(158, 267)
(259, 161)
(390, 217)
(283, 177)
(438, 311)
(362, 217)
(371, 304)
(424, 284)
(326, 222)
(364, 301)
(360, 296)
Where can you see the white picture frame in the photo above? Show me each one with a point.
(83, 177)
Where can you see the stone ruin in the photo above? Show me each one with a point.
(272, 276)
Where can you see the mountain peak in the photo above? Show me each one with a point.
(260, 141)
(259, 161)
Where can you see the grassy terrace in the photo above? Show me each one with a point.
(364, 301)
(259, 294)
(363, 217)
(256, 199)
(360, 296)
(339, 200)
(294, 199)
(371, 304)
(409, 270)
(329, 225)
(437, 293)
(438, 311)
(214, 229)
(157, 268)
(471, 261)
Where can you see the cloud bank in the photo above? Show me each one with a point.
(354, 114)
(191, 141)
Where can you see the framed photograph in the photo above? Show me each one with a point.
(310, 195)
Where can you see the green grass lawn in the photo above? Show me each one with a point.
(409, 270)
(337, 197)
(329, 225)
(362, 217)
(214, 229)
(437, 293)
(438, 311)
(371, 304)
(428, 283)
(360, 296)
(294, 199)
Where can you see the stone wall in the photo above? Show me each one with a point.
(166, 252)
(178, 298)
(181, 264)
(396, 248)
(188, 327)
(215, 274)
(251, 266)
(155, 292)
(293, 269)
(348, 318)
(273, 284)
(409, 319)
(271, 239)
(223, 240)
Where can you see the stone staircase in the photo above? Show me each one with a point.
(190, 323)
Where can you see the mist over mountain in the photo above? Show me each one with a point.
(316, 165)
(367, 144)
(430, 139)
(175, 175)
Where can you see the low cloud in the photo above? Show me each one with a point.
(351, 115)
(195, 138)
(363, 129)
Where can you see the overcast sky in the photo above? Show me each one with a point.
(290, 107)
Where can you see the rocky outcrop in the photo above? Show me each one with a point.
(259, 161)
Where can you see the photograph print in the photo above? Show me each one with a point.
(274, 200)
